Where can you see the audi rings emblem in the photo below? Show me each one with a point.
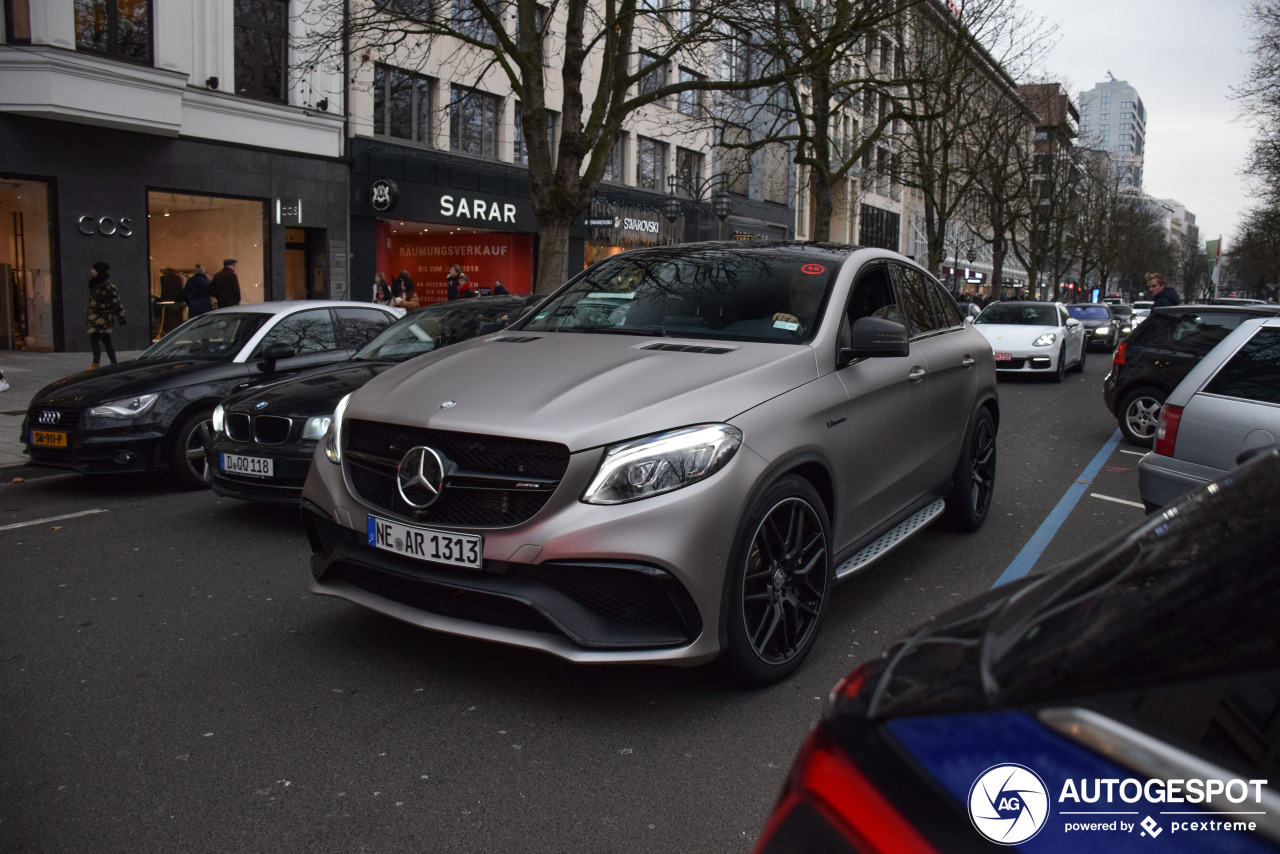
(420, 477)
(48, 416)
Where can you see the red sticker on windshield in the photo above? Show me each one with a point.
(813, 269)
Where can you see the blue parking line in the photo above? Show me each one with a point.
(1049, 527)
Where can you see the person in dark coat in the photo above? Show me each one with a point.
(1161, 293)
(198, 293)
(403, 292)
(104, 310)
(226, 284)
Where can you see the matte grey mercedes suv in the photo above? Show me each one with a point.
(673, 459)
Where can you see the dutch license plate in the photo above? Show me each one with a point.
(247, 466)
(1004, 357)
(49, 438)
(466, 550)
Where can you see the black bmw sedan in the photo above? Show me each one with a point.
(263, 439)
(153, 413)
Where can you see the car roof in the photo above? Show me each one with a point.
(1230, 309)
(286, 306)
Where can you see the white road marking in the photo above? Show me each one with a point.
(1118, 500)
(50, 519)
(1135, 453)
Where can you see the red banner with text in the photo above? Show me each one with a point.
(485, 258)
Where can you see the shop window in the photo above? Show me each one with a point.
(184, 230)
(117, 28)
(651, 164)
(261, 49)
(401, 104)
(473, 122)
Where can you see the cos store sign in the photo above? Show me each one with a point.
(107, 226)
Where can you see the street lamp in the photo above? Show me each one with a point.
(700, 190)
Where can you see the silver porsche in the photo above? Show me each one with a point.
(672, 459)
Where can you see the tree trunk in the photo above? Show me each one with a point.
(553, 253)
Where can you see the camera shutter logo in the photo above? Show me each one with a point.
(383, 194)
(420, 477)
(1009, 804)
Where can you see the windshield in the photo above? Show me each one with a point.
(439, 326)
(1121, 310)
(218, 337)
(1089, 312)
(1019, 315)
(765, 295)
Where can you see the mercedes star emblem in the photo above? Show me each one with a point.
(420, 477)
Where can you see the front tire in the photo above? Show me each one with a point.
(969, 501)
(187, 465)
(1060, 370)
(780, 581)
(1079, 368)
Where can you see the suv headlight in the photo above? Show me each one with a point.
(662, 463)
(129, 407)
(333, 438)
(1045, 340)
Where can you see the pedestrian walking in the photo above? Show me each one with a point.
(198, 292)
(381, 291)
(4, 384)
(1161, 293)
(226, 284)
(104, 311)
(456, 282)
(403, 292)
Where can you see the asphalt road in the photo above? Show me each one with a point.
(169, 683)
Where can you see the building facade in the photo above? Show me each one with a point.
(1113, 118)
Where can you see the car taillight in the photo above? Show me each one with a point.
(829, 805)
(1167, 432)
(1117, 358)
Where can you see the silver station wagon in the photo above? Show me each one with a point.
(672, 459)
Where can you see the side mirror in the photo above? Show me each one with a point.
(875, 337)
(1071, 321)
(276, 352)
(968, 318)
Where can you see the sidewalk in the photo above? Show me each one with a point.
(27, 372)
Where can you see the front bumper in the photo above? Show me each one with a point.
(1038, 360)
(290, 464)
(115, 450)
(636, 582)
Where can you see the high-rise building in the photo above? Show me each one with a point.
(1113, 118)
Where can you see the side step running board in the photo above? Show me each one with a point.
(891, 539)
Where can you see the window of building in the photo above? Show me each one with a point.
(189, 229)
(415, 10)
(878, 228)
(686, 15)
(401, 104)
(738, 60)
(473, 122)
(118, 28)
(614, 166)
(651, 164)
(690, 102)
(469, 22)
(17, 21)
(735, 161)
(656, 77)
(262, 38)
(540, 13)
(775, 173)
(688, 167)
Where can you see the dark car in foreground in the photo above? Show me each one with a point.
(1158, 354)
(153, 413)
(672, 460)
(1128, 700)
(263, 440)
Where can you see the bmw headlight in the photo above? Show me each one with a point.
(333, 438)
(219, 419)
(1045, 340)
(1103, 330)
(129, 407)
(316, 426)
(662, 463)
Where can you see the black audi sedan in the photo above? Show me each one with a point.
(263, 439)
(152, 413)
(1125, 701)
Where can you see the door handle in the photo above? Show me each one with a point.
(917, 374)
(967, 362)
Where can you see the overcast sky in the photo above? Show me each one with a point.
(1183, 57)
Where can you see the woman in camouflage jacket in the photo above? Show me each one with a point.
(104, 310)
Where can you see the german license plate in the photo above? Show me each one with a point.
(1004, 357)
(49, 438)
(247, 466)
(465, 550)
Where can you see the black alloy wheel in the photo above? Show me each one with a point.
(781, 582)
(969, 501)
(1060, 370)
(187, 465)
(1079, 368)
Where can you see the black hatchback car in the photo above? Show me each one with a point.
(1126, 701)
(153, 413)
(263, 439)
(1158, 354)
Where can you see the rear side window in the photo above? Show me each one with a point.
(916, 303)
(361, 325)
(1253, 373)
(944, 305)
(306, 332)
(1191, 331)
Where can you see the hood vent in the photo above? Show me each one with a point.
(516, 339)
(688, 348)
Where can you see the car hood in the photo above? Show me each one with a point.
(314, 392)
(90, 388)
(1013, 334)
(582, 390)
